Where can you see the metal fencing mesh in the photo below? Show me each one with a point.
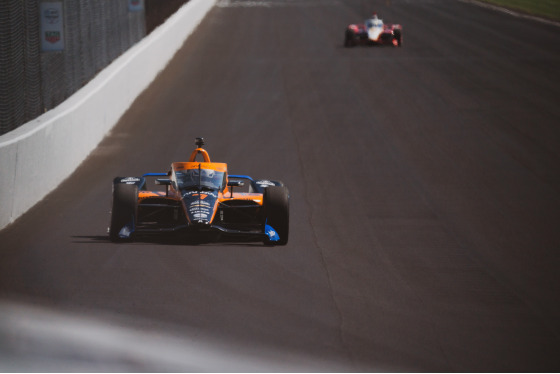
(33, 81)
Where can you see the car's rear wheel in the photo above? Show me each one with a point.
(124, 209)
(276, 202)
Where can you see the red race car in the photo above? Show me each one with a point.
(373, 31)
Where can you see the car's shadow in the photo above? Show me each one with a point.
(171, 241)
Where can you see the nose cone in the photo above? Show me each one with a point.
(200, 207)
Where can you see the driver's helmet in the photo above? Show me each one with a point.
(374, 21)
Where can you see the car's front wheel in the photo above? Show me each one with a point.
(276, 203)
(124, 209)
(349, 39)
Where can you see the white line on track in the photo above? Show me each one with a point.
(511, 12)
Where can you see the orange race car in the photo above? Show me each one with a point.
(199, 201)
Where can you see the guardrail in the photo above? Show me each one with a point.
(36, 157)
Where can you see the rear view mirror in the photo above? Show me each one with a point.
(163, 182)
(236, 184)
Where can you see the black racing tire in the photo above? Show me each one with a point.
(276, 202)
(398, 36)
(124, 208)
(349, 39)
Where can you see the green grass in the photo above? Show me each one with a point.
(542, 8)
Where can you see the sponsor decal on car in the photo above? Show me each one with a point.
(130, 180)
(201, 196)
(265, 183)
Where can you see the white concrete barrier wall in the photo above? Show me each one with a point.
(36, 157)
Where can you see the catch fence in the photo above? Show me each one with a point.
(50, 49)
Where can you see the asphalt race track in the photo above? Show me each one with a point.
(425, 207)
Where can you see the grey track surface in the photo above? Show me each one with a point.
(425, 180)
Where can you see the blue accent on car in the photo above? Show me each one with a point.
(127, 230)
(240, 176)
(272, 234)
(155, 175)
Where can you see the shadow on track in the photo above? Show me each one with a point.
(170, 241)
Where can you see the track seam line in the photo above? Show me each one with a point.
(338, 310)
(324, 266)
